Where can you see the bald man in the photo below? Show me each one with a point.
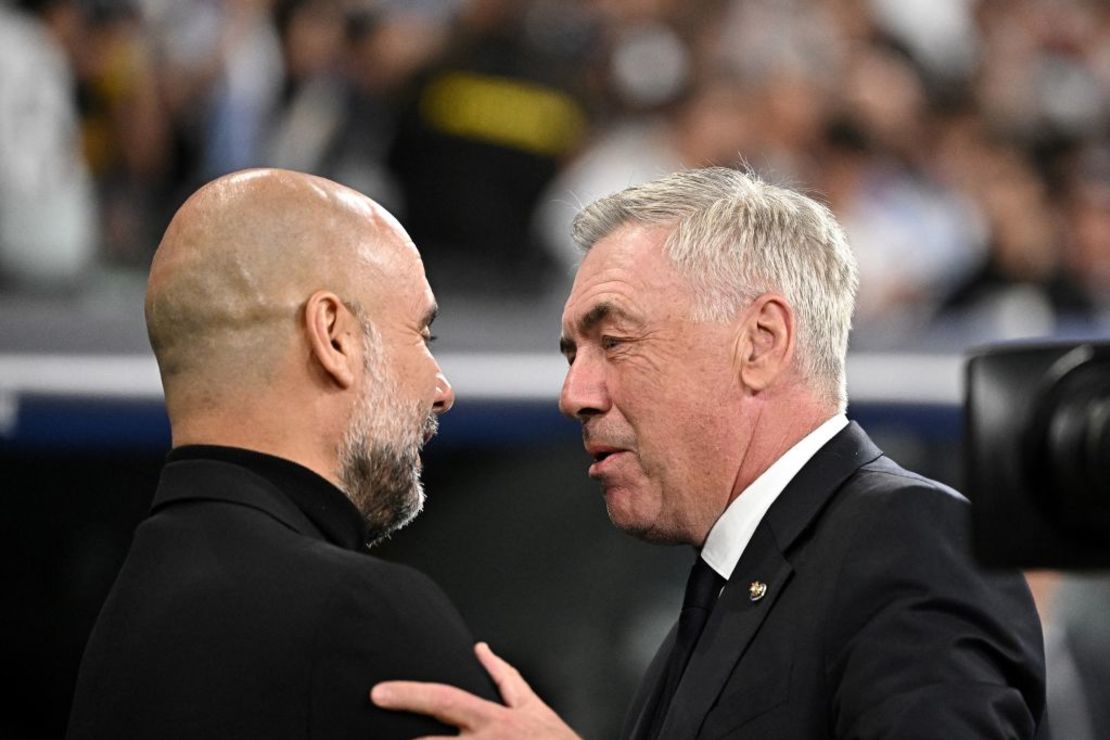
(290, 318)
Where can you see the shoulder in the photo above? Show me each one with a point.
(904, 539)
(884, 495)
(883, 476)
(352, 568)
(360, 589)
(893, 537)
(384, 621)
(911, 611)
(241, 561)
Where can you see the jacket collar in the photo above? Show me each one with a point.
(294, 495)
(813, 486)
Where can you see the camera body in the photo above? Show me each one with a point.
(1038, 454)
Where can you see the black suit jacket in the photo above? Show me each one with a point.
(875, 623)
(236, 615)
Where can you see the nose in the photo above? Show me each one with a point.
(584, 393)
(445, 394)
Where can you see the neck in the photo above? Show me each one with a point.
(774, 431)
(249, 432)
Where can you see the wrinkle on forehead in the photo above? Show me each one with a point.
(627, 274)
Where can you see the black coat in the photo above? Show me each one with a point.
(248, 607)
(875, 622)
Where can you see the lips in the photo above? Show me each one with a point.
(604, 457)
(430, 428)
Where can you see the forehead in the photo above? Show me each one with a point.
(390, 270)
(405, 291)
(627, 270)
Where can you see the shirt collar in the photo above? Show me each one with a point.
(321, 502)
(732, 532)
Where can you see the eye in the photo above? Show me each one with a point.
(610, 342)
(429, 337)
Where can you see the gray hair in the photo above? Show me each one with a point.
(736, 237)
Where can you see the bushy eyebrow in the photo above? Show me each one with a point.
(590, 320)
(597, 314)
(566, 346)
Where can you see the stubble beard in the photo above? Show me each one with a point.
(379, 455)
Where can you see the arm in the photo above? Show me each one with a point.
(922, 642)
(523, 715)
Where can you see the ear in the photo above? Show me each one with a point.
(333, 335)
(765, 341)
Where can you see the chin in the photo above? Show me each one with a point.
(624, 517)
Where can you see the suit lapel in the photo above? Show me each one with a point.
(732, 625)
(736, 618)
(814, 485)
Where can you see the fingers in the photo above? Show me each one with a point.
(514, 689)
(524, 716)
(448, 704)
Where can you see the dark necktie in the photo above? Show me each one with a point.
(702, 589)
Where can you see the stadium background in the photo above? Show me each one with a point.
(963, 144)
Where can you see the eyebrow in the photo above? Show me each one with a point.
(593, 317)
(566, 346)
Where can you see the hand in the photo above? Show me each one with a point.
(524, 714)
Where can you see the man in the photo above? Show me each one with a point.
(834, 595)
(290, 318)
(48, 204)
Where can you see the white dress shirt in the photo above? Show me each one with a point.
(734, 529)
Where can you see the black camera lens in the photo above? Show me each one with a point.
(1068, 448)
(1038, 454)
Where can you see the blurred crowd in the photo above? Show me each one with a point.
(963, 143)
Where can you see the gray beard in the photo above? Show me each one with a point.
(382, 478)
(379, 456)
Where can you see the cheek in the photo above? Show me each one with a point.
(693, 428)
(417, 375)
(676, 404)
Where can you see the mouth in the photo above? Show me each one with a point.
(430, 428)
(603, 456)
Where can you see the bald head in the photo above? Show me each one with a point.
(239, 260)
